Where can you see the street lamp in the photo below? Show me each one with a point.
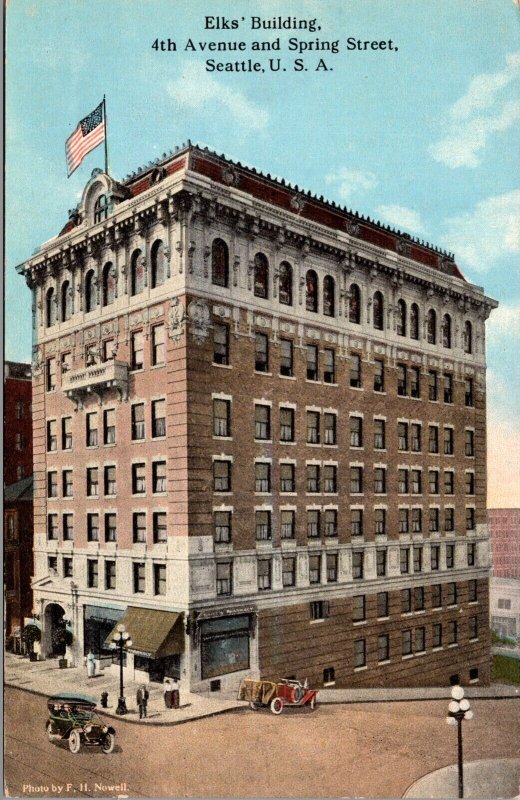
(121, 639)
(458, 710)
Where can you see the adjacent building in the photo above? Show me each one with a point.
(504, 532)
(18, 560)
(18, 452)
(259, 436)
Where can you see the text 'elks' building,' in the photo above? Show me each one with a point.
(259, 436)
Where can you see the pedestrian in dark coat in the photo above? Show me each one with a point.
(176, 697)
(141, 697)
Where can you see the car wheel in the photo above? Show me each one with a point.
(50, 732)
(74, 742)
(253, 705)
(277, 705)
(298, 694)
(107, 745)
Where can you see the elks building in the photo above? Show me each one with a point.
(259, 434)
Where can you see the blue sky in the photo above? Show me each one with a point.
(425, 137)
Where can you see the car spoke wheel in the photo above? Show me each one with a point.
(277, 705)
(74, 742)
(254, 705)
(107, 745)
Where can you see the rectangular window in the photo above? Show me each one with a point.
(159, 484)
(109, 426)
(406, 601)
(449, 519)
(404, 520)
(472, 591)
(437, 635)
(68, 567)
(220, 344)
(382, 604)
(433, 391)
(312, 478)
(111, 527)
(51, 375)
(19, 409)
(158, 418)
(416, 520)
(452, 632)
(109, 350)
(138, 478)
(319, 609)
(313, 523)
(379, 480)
(288, 571)
(331, 522)
(356, 480)
(160, 528)
(92, 429)
(139, 577)
(138, 424)
(433, 481)
(263, 525)
(416, 481)
(436, 594)
(415, 382)
(420, 640)
(224, 583)
(313, 427)
(329, 366)
(404, 560)
(383, 647)
(329, 429)
(359, 608)
(68, 527)
(435, 552)
(332, 567)
(451, 595)
(448, 441)
(418, 598)
(473, 627)
(261, 352)
(287, 525)
(360, 653)
(356, 431)
(222, 476)
(67, 483)
(379, 375)
(356, 522)
(355, 371)
(286, 358)
(448, 387)
(402, 435)
(287, 425)
(92, 573)
(287, 478)
(402, 481)
(379, 521)
(417, 559)
(139, 526)
(92, 482)
(136, 350)
(262, 422)
(312, 362)
(402, 388)
(264, 574)
(66, 433)
(469, 442)
(158, 345)
(433, 439)
(110, 574)
(159, 579)
(468, 392)
(470, 519)
(110, 481)
(415, 431)
(434, 525)
(262, 477)
(379, 434)
(470, 483)
(330, 479)
(406, 642)
(314, 569)
(52, 484)
(380, 563)
(450, 556)
(358, 564)
(449, 483)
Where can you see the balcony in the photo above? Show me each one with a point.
(96, 379)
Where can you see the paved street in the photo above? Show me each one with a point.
(374, 750)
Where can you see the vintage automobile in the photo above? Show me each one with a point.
(73, 717)
(277, 695)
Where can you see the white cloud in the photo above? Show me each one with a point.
(476, 115)
(490, 232)
(197, 90)
(401, 217)
(504, 322)
(351, 182)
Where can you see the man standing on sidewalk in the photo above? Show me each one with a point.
(142, 701)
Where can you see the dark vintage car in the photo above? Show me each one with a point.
(73, 717)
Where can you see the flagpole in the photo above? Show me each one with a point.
(106, 133)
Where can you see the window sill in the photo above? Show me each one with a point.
(407, 657)
(159, 438)
(262, 372)
(316, 621)
(356, 388)
(382, 619)
(329, 683)
(288, 377)
(218, 438)
(420, 653)
(157, 366)
(222, 366)
(219, 494)
(360, 669)
(109, 444)
(359, 623)
(454, 644)
(263, 441)
(385, 661)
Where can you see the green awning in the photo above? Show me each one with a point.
(155, 634)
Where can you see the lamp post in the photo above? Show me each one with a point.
(121, 639)
(458, 710)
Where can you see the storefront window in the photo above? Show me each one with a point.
(224, 645)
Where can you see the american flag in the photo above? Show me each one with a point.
(90, 131)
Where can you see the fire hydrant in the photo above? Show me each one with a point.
(104, 699)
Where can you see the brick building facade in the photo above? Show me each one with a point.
(264, 416)
(504, 535)
(18, 454)
(18, 559)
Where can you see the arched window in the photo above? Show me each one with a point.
(468, 337)
(432, 327)
(109, 284)
(66, 301)
(261, 276)
(136, 273)
(446, 331)
(329, 295)
(378, 311)
(311, 291)
(102, 208)
(90, 291)
(50, 308)
(414, 321)
(354, 304)
(219, 263)
(285, 291)
(157, 258)
(401, 318)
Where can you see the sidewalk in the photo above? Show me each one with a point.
(45, 678)
(489, 778)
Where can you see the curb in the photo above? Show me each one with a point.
(411, 700)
